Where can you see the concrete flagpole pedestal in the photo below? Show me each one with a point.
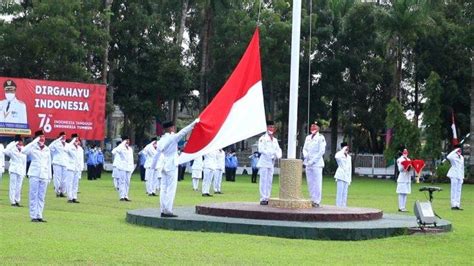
(290, 186)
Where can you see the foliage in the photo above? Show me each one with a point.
(442, 170)
(432, 118)
(404, 132)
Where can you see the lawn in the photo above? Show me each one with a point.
(95, 231)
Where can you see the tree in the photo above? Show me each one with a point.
(432, 118)
(404, 132)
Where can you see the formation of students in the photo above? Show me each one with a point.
(63, 162)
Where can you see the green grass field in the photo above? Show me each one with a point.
(95, 231)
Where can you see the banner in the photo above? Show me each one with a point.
(27, 105)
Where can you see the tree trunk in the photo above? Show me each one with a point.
(334, 122)
(471, 139)
(110, 90)
(205, 38)
(174, 104)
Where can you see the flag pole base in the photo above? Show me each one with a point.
(291, 172)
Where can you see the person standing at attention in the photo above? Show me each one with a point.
(39, 174)
(124, 167)
(343, 174)
(17, 169)
(269, 152)
(456, 174)
(313, 152)
(403, 181)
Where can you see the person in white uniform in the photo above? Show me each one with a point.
(115, 161)
(12, 110)
(149, 152)
(220, 168)
(74, 168)
(313, 152)
(60, 162)
(456, 174)
(124, 167)
(17, 169)
(209, 169)
(196, 173)
(269, 152)
(343, 174)
(39, 174)
(403, 181)
(168, 147)
(2, 160)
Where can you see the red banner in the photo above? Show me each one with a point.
(27, 105)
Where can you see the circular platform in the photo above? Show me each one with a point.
(251, 210)
(389, 225)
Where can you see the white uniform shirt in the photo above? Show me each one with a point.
(403, 176)
(344, 166)
(2, 158)
(75, 156)
(210, 160)
(149, 152)
(17, 159)
(59, 152)
(168, 147)
(313, 150)
(16, 112)
(457, 165)
(197, 164)
(40, 160)
(269, 151)
(123, 159)
(220, 160)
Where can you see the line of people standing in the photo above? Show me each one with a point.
(95, 162)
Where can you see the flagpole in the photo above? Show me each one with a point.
(291, 169)
(294, 75)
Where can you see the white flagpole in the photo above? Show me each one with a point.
(294, 75)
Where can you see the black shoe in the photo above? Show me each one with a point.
(18, 204)
(456, 208)
(263, 202)
(41, 220)
(13, 204)
(75, 201)
(154, 194)
(126, 199)
(402, 210)
(122, 199)
(70, 201)
(218, 192)
(206, 195)
(166, 215)
(34, 220)
(61, 195)
(314, 205)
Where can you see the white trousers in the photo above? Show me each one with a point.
(402, 201)
(16, 182)
(73, 184)
(314, 178)
(37, 195)
(207, 180)
(150, 184)
(265, 185)
(169, 182)
(196, 183)
(217, 180)
(456, 187)
(341, 195)
(59, 177)
(124, 182)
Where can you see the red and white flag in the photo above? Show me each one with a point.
(454, 141)
(236, 113)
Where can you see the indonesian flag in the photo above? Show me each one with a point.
(454, 141)
(236, 112)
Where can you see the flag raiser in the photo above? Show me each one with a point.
(236, 113)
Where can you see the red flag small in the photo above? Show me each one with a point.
(454, 140)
